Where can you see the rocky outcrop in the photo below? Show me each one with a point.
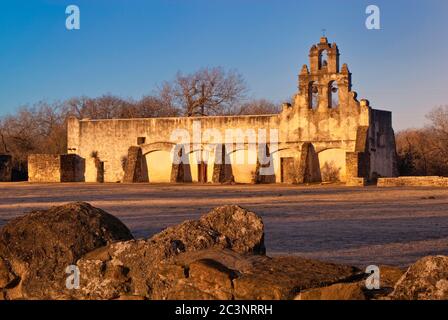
(131, 267)
(205, 274)
(225, 274)
(244, 230)
(355, 288)
(338, 291)
(7, 277)
(227, 227)
(219, 256)
(36, 249)
(283, 277)
(212, 258)
(389, 276)
(427, 279)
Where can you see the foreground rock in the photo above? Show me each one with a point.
(36, 249)
(427, 279)
(239, 276)
(356, 289)
(283, 277)
(226, 227)
(206, 274)
(219, 256)
(338, 291)
(130, 267)
(389, 276)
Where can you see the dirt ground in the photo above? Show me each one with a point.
(357, 226)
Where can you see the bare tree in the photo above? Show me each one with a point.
(260, 106)
(105, 107)
(439, 119)
(413, 149)
(75, 107)
(152, 107)
(425, 151)
(209, 91)
(2, 139)
(439, 126)
(41, 128)
(113, 107)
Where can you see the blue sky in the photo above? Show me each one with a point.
(128, 47)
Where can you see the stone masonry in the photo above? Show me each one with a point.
(55, 168)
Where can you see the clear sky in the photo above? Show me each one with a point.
(128, 47)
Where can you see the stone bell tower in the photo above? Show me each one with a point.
(324, 85)
(324, 57)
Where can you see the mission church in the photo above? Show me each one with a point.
(325, 134)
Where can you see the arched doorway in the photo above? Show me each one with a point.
(159, 166)
(244, 165)
(201, 171)
(332, 165)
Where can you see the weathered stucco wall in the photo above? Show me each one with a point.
(55, 168)
(44, 168)
(111, 139)
(381, 145)
(413, 182)
(325, 113)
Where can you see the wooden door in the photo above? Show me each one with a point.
(202, 172)
(287, 170)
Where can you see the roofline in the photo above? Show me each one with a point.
(175, 118)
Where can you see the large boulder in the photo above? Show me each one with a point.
(338, 291)
(389, 276)
(219, 256)
(214, 273)
(356, 288)
(427, 279)
(244, 230)
(129, 268)
(282, 278)
(227, 275)
(226, 227)
(36, 249)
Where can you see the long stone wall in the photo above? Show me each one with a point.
(44, 168)
(55, 168)
(413, 182)
(332, 132)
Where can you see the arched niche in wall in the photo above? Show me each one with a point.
(313, 95)
(244, 164)
(332, 164)
(333, 94)
(323, 59)
(159, 164)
